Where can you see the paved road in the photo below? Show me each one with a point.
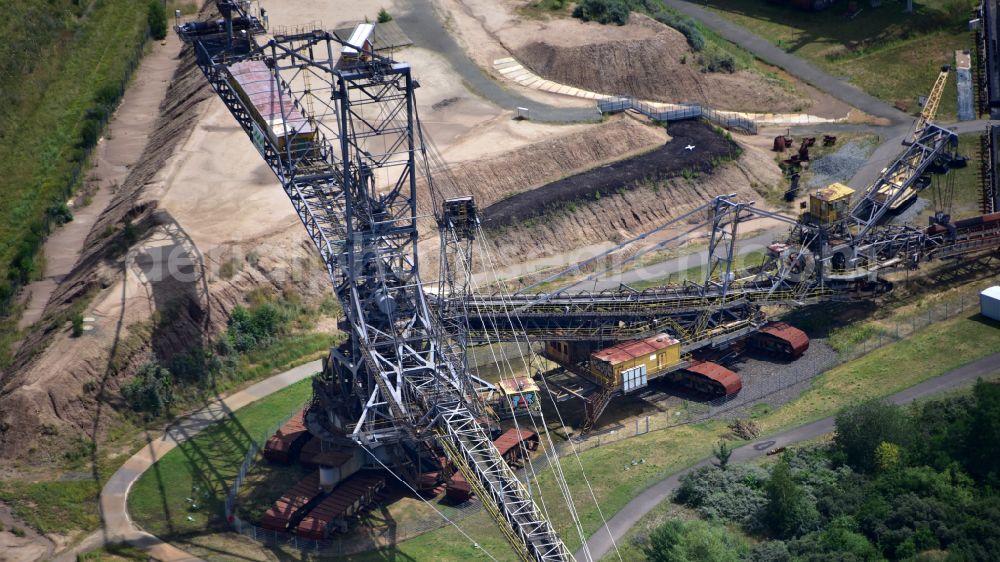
(117, 525)
(768, 52)
(893, 145)
(422, 25)
(600, 543)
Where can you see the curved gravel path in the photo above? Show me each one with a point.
(600, 543)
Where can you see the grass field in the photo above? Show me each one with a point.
(891, 55)
(183, 493)
(66, 505)
(54, 507)
(62, 63)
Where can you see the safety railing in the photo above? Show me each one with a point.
(682, 112)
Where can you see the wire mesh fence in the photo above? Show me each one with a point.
(780, 380)
(689, 411)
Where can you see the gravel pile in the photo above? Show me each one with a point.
(839, 166)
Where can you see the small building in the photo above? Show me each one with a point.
(989, 303)
(629, 365)
(831, 203)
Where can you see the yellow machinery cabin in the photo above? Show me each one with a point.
(831, 203)
(567, 352)
(629, 365)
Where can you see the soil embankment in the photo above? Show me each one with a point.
(647, 60)
(629, 205)
(695, 148)
(518, 172)
(150, 285)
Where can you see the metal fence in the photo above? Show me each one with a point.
(687, 412)
(49, 223)
(780, 380)
(685, 111)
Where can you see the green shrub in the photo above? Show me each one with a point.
(90, 132)
(151, 390)
(719, 62)
(254, 328)
(682, 541)
(108, 95)
(157, 19)
(735, 494)
(861, 429)
(60, 213)
(602, 11)
(77, 322)
(686, 26)
(384, 16)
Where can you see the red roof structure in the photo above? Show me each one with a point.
(626, 351)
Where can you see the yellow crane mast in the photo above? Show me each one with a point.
(931, 105)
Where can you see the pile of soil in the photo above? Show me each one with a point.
(672, 159)
(647, 60)
(519, 171)
(623, 213)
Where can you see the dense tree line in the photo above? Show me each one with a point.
(915, 483)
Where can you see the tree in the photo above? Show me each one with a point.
(694, 541)
(77, 322)
(983, 435)
(156, 17)
(151, 390)
(384, 16)
(862, 428)
(722, 454)
(788, 511)
(887, 456)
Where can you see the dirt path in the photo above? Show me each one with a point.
(119, 149)
(600, 543)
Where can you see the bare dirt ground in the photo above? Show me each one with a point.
(643, 58)
(20, 543)
(117, 151)
(695, 148)
(513, 173)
